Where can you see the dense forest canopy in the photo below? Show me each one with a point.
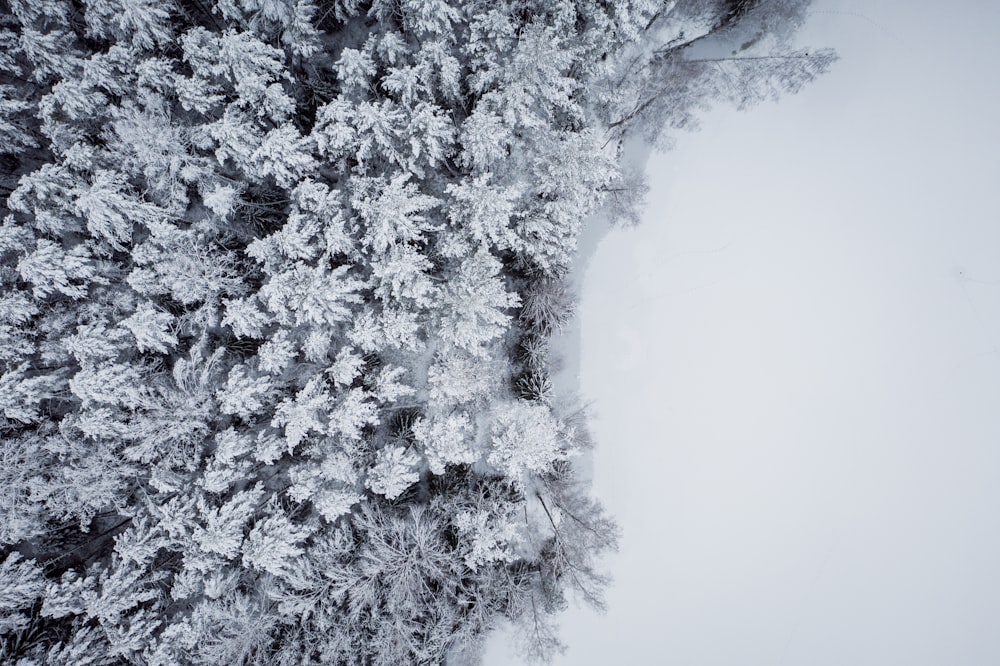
(277, 283)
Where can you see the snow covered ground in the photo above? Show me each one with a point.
(795, 366)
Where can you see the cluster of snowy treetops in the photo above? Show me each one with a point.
(277, 280)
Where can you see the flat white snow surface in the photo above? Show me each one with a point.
(795, 362)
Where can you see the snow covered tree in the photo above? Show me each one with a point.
(446, 440)
(111, 210)
(525, 440)
(473, 306)
(394, 471)
(391, 212)
(51, 270)
(21, 584)
(152, 329)
(274, 544)
(144, 24)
